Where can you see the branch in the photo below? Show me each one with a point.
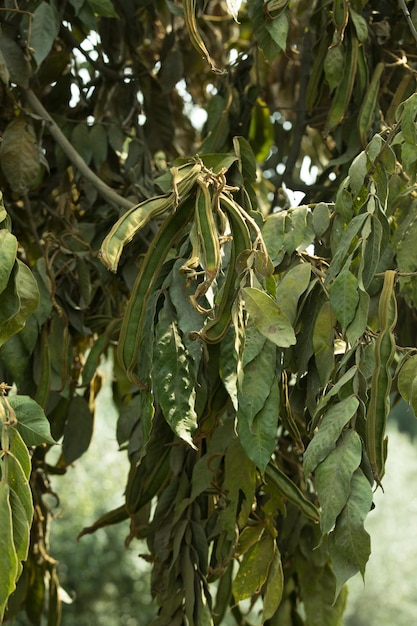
(77, 161)
(406, 12)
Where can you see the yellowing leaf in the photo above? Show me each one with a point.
(268, 317)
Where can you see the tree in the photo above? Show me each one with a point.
(256, 344)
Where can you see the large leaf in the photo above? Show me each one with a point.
(9, 563)
(32, 423)
(28, 294)
(256, 381)
(268, 317)
(8, 249)
(258, 436)
(19, 154)
(239, 484)
(172, 376)
(344, 297)
(45, 28)
(290, 287)
(253, 570)
(407, 382)
(333, 477)
(78, 430)
(349, 543)
(330, 429)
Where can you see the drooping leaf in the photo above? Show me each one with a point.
(18, 482)
(45, 28)
(78, 430)
(173, 378)
(28, 294)
(8, 249)
(32, 423)
(256, 382)
(239, 480)
(333, 477)
(323, 342)
(253, 570)
(258, 436)
(268, 317)
(19, 154)
(407, 382)
(9, 563)
(274, 585)
(349, 543)
(330, 429)
(289, 289)
(344, 297)
(104, 8)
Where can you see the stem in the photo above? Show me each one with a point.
(104, 190)
(407, 15)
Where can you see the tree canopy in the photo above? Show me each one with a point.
(152, 159)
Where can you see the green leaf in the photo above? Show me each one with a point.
(104, 8)
(21, 526)
(289, 289)
(268, 317)
(18, 65)
(239, 485)
(334, 64)
(360, 24)
(45, 28)
(317, 590)
(333, 477)
(268, 36)
(9, 563)
(323, 342)
(78, 430)
(278, 29)
(19, 484)
(253, 570)
(28, 294)
(188, 318)
(31, 421)
(19, 449)
(343, 245)
(330, 429)
(81, 140)
(273, 232)
(359, 323)
(321, 218)
(344, 297)
(372, 251)
(349, 543)
(258, 438)
(274, 586)
(407, 382)
(247, 161)
(8, 250)
(256, 382)
(99, 144)
(173, 378)
(19, 154)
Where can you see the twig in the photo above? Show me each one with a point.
(407, 15)
(104, 190)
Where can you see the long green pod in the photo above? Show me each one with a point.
(130, 333)
(208, 238)
(367, 110)
(289, 490)
(215, 330)
(126, 227)
(379, 403)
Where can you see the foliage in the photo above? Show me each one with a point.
(257, 344)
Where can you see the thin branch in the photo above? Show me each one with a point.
(77, 161)
(407, 15)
